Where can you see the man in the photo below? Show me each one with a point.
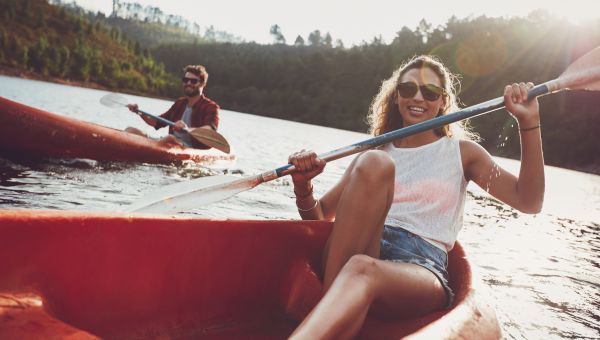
(194, 110)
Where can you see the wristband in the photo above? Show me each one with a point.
(530, 128)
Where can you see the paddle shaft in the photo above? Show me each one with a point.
(476, 110)
(157, 118)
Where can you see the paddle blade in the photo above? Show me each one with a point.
(211, 138)
(183, 196)
(583, 73)
(114, 100)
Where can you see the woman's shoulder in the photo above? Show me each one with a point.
(471, 154)
(471, 148)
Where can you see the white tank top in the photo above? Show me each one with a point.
(430, 191)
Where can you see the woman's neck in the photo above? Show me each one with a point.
(417, 140)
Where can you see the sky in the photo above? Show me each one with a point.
(351, 21)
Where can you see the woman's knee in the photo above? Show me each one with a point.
(361, 267)
(376, 166)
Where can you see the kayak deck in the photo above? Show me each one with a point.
(143, 276)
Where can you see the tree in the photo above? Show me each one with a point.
(327, 41)
(40, 20)
(299, 41)
(80, 68)
(314, 38)
(424, 30)
(38, 58)
(65, 60)
(96, 71)
(3, 44)
(277, 35)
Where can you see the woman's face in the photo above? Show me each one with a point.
(419, 104)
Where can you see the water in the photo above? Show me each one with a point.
(541, 273)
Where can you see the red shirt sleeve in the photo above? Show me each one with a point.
(211, 116)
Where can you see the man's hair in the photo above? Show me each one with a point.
(198, 70)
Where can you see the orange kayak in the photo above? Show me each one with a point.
(29, 132)
(85, 275)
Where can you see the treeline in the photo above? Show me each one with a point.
(334, 86)
(51, 41)
(150, 26)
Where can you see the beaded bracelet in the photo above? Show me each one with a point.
(309, 209)
(531, 128)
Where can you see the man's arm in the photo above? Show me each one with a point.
(134, 108)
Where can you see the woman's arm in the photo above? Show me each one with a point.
(308, 166)
(525, 192)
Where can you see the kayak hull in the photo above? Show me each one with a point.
(27, 132)
(142, 276)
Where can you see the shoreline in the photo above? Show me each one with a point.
(6, 70)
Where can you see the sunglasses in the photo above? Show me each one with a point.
(429, 91)
(190, 80)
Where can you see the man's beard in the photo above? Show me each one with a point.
(193, 93)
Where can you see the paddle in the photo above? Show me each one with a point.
(584, 74)
(205, 136)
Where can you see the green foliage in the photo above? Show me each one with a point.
(149, 34)
(39, 58)
(51, 41)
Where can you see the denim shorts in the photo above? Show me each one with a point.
(399, 245)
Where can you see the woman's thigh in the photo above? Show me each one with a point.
(406, 289)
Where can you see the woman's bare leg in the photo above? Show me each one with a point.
(391, 289)
(354, 283)
(360, 213)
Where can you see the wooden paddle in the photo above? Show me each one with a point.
(583, 74)
(205, 136)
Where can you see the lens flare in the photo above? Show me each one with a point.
(481, 53)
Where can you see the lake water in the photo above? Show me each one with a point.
(541, 273)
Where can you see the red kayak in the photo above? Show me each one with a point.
(29, 132)
(84, 275)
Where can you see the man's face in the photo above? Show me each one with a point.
(191, 84)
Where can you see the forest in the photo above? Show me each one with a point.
(53, 42)
(315, 80)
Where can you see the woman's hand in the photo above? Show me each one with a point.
(307, 164)
(526, 111)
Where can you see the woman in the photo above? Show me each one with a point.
(398, 210)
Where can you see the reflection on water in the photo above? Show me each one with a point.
(541, 273)
(9, 175)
